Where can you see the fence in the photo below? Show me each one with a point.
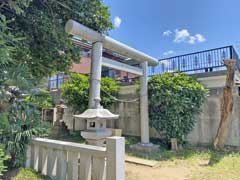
(203, 61)
(55, 82)
(72, 161)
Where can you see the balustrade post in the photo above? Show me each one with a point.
(40, 159)
(85, 166)
(72, 165)
(50, 162)
(98, 168)
(44, 160)
(61, 164)
(28, 157)
(115, 158)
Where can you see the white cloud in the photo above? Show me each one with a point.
(184, 36)
(167, 33)
(167, 53)
(200, 38)
(181, 35)
(192, 39)
(117, 22)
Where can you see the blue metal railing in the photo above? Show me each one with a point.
(55, 83)
(199, 62)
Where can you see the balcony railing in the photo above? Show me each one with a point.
(55, 82)
(199, 62)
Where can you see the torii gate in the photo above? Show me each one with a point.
(100, 41)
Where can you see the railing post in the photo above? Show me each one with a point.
(44, 160)
(40, 159)
(28, 157)
(231, 52)
(98, 168)
(115, 158)
(61, 164)
(72, 165)
(85, 166)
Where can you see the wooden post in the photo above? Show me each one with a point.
(226, 106)
(174, 144)
(115, 158)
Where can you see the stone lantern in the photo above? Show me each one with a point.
(97, 117)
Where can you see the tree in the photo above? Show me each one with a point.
(44, 46)
(174, 100)
(40, 98)
(76, 91)
(3, 158)
(226, 107)
(33, 44)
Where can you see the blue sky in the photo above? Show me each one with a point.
(164, 28)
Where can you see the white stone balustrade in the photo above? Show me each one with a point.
(73, 161)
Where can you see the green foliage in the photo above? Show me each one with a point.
(44, 46)
(40, 98)
(109, 89)
(3, 158)
(33, 44)
(17, 126)
(76, 91)
(174, 100)
(28, 174)
(6, 40)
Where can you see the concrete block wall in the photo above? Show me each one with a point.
(206, 122)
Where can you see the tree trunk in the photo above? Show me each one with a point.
(226, 106)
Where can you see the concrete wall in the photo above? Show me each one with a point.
(205, 128)
(206, 125)
(208, 120)
(129, 112)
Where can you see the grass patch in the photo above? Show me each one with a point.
(73, 137)
(24, 174)
(205, 163)
(221, 166)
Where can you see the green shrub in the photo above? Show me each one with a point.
(3, 157)
(17, 126)
(40, 98)
(174, 100)
(29, 174)
(76, 91)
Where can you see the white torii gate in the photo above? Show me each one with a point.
(100, 41)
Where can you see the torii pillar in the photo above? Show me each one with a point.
(144, 115)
